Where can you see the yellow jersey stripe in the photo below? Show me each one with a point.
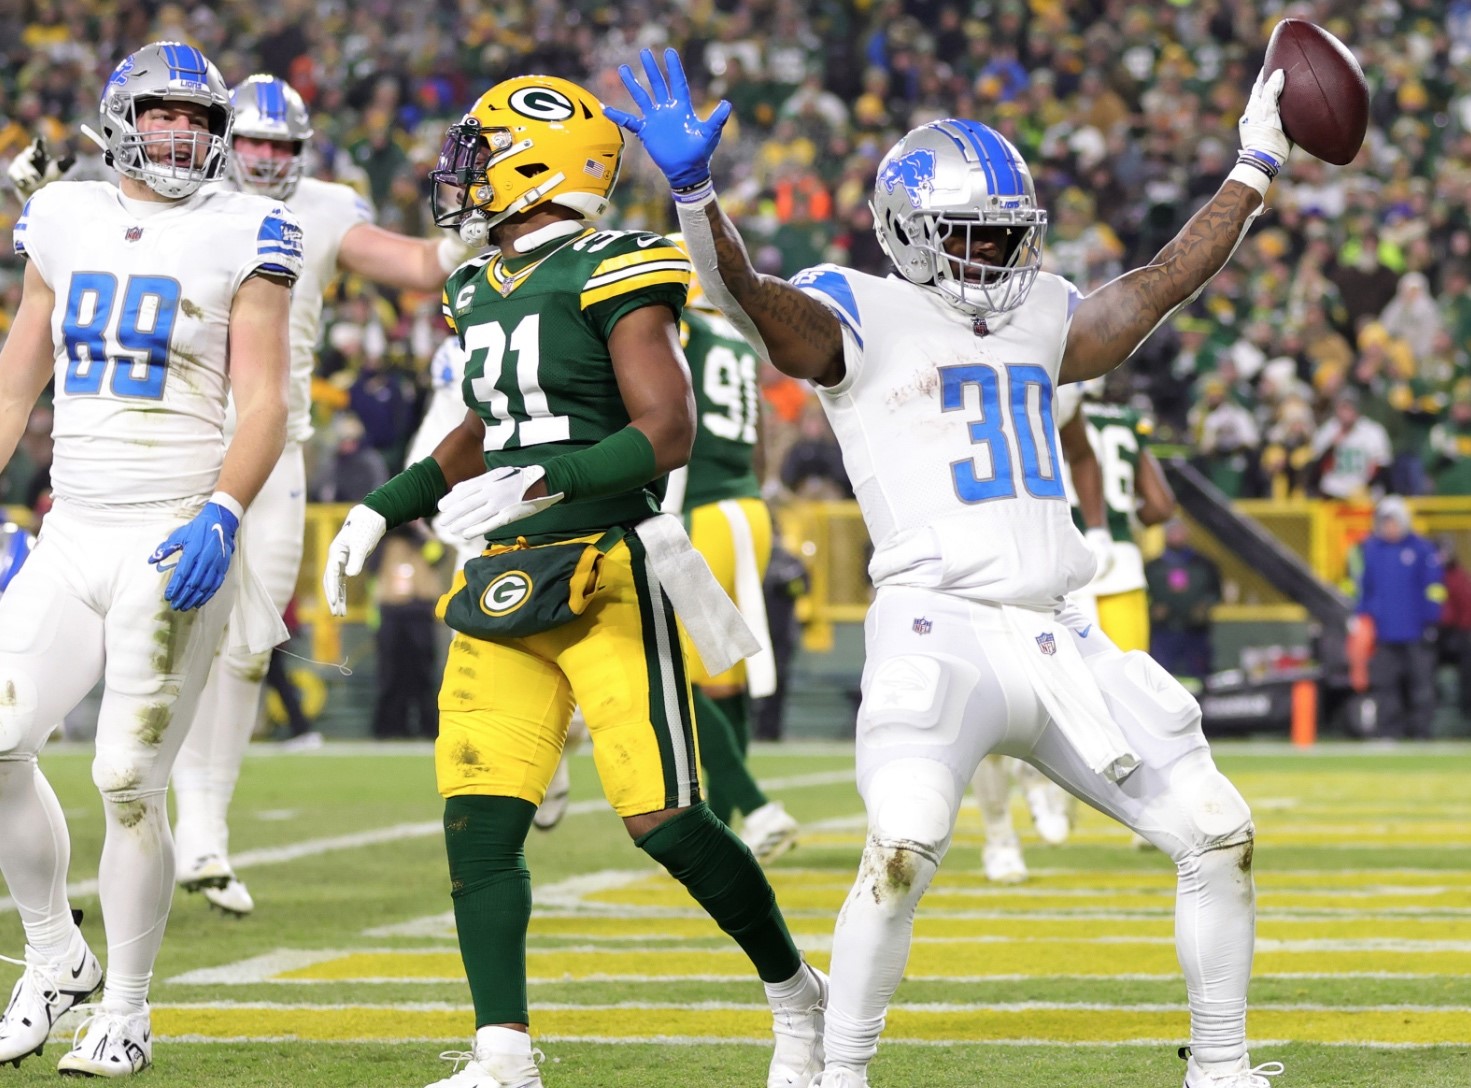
(633, 283)
(642, 256)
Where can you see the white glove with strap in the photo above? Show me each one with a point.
(1264, 146)
(1100, 543)
(348, 551)
(482, 504)
(34, 167)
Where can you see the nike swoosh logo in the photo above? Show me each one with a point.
(219, 531)
(296, 494)
(1084, 632)
(645, 243)
(79, 968)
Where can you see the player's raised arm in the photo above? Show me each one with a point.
(25, 360)
(1115, 319)
(800, 336)
(397, 260)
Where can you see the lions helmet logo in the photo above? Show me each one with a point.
(507, 593)
(542, 103)
(914, 171)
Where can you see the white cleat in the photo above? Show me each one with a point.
(480, 1069)
(841, 1077)
(44, 992)
(554, 805)
(1003, 863)
(798, 1030)
(1048, 806)
(110, 1043)
(1241, 1075)
(770, 831)
(204, 871)
(233, 899)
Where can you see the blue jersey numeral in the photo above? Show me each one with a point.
(1030, 416)
(150, 307)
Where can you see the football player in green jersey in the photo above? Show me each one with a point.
(719, 495)
(579, 405)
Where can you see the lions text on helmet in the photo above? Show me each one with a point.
(165, 118)
(272, 127)
(527, 141)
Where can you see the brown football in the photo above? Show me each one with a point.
(1325, 99)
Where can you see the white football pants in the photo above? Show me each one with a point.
(938, 697)
(209, 763)
(88, 604)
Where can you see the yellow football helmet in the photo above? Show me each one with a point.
(527, 141)
(696, 299)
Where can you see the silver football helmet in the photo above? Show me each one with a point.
(167, 162)
(268, 108)
(959, 176)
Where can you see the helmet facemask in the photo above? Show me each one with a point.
(463, 195)
(276, 178)
(973, 285)
(268, 108)
(172, 163)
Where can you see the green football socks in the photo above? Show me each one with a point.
(735, 707)
(730, 787)
(491, 888)
(716, 868)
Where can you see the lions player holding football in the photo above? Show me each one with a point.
(149, 303)
(579, 404)
(939, 383)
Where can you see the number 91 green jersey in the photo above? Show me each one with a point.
(535, 328)
(727, 410)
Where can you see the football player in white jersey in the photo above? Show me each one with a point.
(939, 384)
(147, 303)
(272, 127)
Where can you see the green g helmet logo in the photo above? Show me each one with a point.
(507, 593)
(542, 104)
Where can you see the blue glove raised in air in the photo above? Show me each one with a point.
(205, 546)
(674, 136)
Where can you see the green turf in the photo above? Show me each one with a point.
(1410, 802)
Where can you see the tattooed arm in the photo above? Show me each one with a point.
(802, 337)
(1115, 319)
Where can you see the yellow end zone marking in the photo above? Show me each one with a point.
(941, 960)
(978, 1024)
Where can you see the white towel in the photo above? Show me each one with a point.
(751, 600)
(255, 625)
(1066, 687)
(713, 622)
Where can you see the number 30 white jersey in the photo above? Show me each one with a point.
(949, 438)
(141, 330)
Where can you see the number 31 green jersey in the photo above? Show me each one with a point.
(535, 328)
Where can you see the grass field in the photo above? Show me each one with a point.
(348, 974)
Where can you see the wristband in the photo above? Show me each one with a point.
(1249, 173)
(696, 196)
(229, 502)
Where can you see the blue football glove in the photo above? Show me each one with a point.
(205, 546)
(674, 136)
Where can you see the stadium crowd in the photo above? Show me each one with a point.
(1330, 357)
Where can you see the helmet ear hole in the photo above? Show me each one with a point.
(531, 169)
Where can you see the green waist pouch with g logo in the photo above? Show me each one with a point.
(523, 589)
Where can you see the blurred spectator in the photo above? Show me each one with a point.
(1226, 436)
(1455, 622)
(1401, 594)
(1183, 588)
(813, 466)
(1412, 315)
(408, 587)
(786, 582)
(356, 467)
(1352, 452)
(1450, 445)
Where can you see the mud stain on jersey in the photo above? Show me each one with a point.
(8, 696)
(170, 638)
(191, 309)
(466, 755)
(924, 382)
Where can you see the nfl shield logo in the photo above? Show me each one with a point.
(921, 626)
(1046, 643)
(132, 234)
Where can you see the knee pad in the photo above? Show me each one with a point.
(1219, 815)
(17, 715)
(1141, 694)
(913, 803)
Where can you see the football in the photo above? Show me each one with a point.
(1325, 99)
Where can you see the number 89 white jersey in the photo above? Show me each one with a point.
(949, 438)
(141, 330)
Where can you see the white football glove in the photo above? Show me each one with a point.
(1263, 142)
(1100, 543)
(348, 551)
(34, 167)
(480, 505)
